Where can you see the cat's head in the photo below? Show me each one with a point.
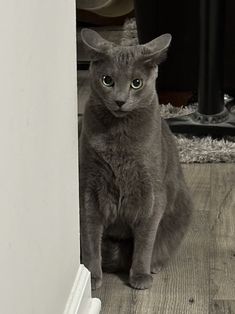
(124, 76)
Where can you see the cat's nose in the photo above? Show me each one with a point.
(120, 103)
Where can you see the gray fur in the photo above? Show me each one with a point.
(135, 206)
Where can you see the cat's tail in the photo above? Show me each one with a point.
(116, 255)
(129, 33)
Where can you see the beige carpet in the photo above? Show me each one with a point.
(200, 149)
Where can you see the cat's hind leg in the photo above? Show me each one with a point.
(172, 229)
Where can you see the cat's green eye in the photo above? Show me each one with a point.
(107, 81)
(136, 83)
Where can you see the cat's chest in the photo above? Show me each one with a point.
(126, 159)
(126, 177)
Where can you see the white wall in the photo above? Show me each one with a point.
(39, 254)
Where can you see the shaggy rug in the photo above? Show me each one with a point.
(194, 149)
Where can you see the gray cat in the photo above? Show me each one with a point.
(135, 206)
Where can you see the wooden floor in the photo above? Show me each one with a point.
(200, 279)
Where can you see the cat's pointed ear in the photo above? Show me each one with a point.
(97, 45)
(155, 51)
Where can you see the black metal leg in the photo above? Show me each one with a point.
(210, 85)
(146, 13)
(212, 116)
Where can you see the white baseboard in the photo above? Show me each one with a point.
(80, 300)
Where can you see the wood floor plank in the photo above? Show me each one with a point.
(222, 307)
(182, 287)
(222, 228)
(198, 180)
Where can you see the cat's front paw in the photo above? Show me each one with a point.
(141, 281)
(96, 282)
